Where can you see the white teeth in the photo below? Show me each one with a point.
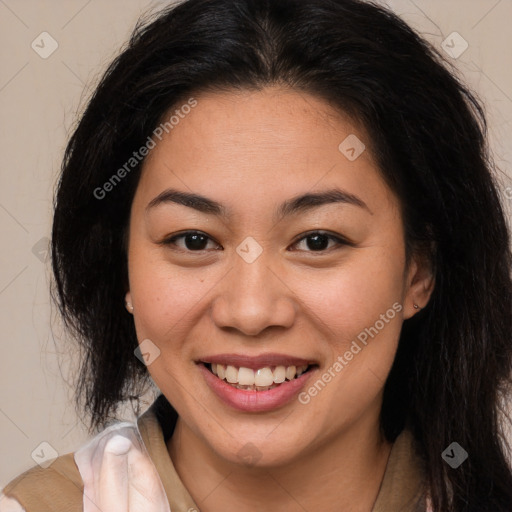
(246, 377)
(264, 377)
(290, 372)
(279, 374)
(261, 379)
(301, 370)
(231, 374)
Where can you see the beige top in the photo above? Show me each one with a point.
(60, 487)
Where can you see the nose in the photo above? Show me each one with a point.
(253, 297)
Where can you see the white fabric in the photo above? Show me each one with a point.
(9, 504)
(118, 474)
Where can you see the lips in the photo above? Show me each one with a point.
(256, 384)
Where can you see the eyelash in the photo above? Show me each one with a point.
(338, 239)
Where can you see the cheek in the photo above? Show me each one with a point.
(354, 295)
(358, 307)
(163, 295)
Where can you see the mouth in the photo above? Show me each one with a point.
(256, 384)
(260, 379)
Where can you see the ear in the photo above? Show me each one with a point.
(128, 302)
(419, 285)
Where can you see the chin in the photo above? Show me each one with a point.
(263, 451)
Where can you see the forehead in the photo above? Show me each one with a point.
(250, 144)
(274, 117)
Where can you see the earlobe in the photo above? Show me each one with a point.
(420, 287)
(128, 302)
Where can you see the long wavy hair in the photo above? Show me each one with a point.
(428, 132)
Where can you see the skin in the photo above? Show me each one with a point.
(251, 151)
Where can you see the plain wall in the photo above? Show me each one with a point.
(39, 102)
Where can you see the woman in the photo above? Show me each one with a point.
(286, 211)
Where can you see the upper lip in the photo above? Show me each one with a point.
(256, 362)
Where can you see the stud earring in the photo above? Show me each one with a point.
(129, 305)
(416, 306)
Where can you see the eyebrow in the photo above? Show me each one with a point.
(298, 204)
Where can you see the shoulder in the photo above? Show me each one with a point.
(59, 486)
(55, 487)
(111, 469)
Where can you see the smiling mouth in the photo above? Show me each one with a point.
(262, 379)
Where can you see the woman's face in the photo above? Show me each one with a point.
(296, 259)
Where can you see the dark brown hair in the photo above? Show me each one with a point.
(428, 132)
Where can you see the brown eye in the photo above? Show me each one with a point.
(319, 242)
(193, 241)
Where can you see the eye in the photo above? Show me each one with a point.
(193, 240)
(318, 241)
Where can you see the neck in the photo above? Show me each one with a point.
(345, 473)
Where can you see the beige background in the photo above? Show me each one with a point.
(39, 101)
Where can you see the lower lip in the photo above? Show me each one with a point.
(251, 400)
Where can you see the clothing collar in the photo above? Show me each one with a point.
(401, 490)
(156, 426)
